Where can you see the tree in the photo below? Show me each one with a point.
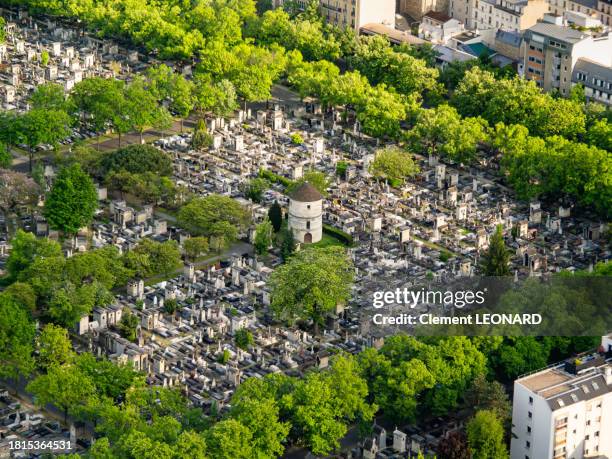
(69, 303)
(263, 237)
(315, 178)
(195, 247)
(151, 258)
(441, 131)
(486, 436)
(244, 338)
(229, 439)
(261, 418)
(128, 325)
(110, 379)
(25, 249)
(521, 355)
(16, 190)
(49, 96)
(496, 260)
(313, 416)
(488, 395)
(287, 243)
(54, 347)
(64, 386)
(44, 58)
(137, 159)
(275, 214)
(6, 159)
(72, 201)
(23, 294)
(454, 446)
(98, 101)
(255, 189)
(141, 107)
(213, 215)
(41, 126)
(200, 138)
(381, 112)
(16, 338)
(311, 284)
(393, 165)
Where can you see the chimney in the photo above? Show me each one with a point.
(608, 373)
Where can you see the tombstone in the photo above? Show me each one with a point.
(451, 195)
(77, 76)
(474, 185)
(135, 288)
(51, 73)
(564, 211)
(440, 221)
(88, 61)
(69, 53)
(481, 239)
(3, 52)
(31, 54)
(461, 212)
(69, 84)
(277, 120)
(465, 268)
(319, 146)
(14, 79)
(432, 160)
(133, 56)
(404, 234)
(523, 228)
(297, 172)
(20, 47)
(239, 143)
(9, 94)
(160, 227)
(217, 141)
(535, 212)
(56, 49)
(399, 441)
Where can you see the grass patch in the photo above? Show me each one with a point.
(327, 241)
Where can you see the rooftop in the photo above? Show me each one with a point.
(559, 32)
(438, 16)
(393, 35)
(306, 193)
(593, 69)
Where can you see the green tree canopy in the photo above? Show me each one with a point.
(486, 436)
(72, 201)
(214, 215)
(311, 284)
(393, 164)
(16, 339)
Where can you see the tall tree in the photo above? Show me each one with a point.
(72, 201)
(311, 284)
(54, 347)
(212, 215)
(486, 436)
(16, 339)
(392, 164)
(263, 237)
(275, 214)
(495, 262)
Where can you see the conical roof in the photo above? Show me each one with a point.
(305, 193)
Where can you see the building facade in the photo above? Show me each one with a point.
(354, 13)
(596, 79)
(306, 214)
(550, 52)
(510, 15)
(416, 9)
(564, 411)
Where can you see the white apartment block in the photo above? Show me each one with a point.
(509, 15)
(564, 411)
(597, 9)
(354, 13)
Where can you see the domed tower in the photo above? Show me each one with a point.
(306, 214)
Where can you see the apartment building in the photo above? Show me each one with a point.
(596, 79)
(597, 9)
(550, 52)
(416, 9)
(564, 411)
(511, 15)
(354, 13)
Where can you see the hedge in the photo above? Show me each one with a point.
(343, 237)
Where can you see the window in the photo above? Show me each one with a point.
(586, 437)
(528, 429)
(308, 206)
(527, 444)
(308, 225)
(574, 397)
(561, 402)
(531, 400)
(597, 433)
(529, 414)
